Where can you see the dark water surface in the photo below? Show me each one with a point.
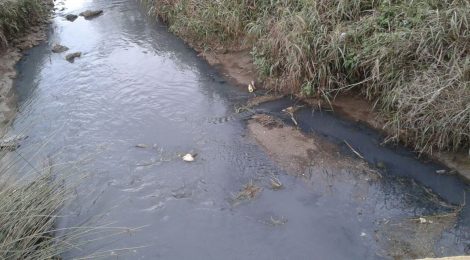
(138, 84)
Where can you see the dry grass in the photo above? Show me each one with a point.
(16, 16)
(31, 207)
(411, 57)
(29, 210)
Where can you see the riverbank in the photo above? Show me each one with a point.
(239, 68)
(350, 65)
(28, 207)
(23, 24)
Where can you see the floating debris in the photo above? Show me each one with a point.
(89, 14)
(57, 48)
(71, 17)
(276, 184)
(424, 221)
(249, 191)
(290, 111)
(71, 57)
(446, 172)
(353, 150)
(189, 157)
(277, 221)
(251, 87)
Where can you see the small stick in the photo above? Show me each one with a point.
(293, 119)
(352, 149)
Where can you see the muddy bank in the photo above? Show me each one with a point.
(7, 75)
(239, 68)
(8, 60)
(9, 56)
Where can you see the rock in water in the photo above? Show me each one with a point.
(57, 48)
(71, 57)
(71, 17)
(89, 14)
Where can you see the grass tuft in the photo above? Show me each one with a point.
(28, 212)
(16, 16)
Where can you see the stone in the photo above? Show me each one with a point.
(57, 48)
(71, 56)
(89, 14)
(71, 17)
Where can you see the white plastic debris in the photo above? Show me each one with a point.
(251, 87)
(276, 184)
(188, 158)
(424, 221)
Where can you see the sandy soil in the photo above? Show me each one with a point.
(236, 65)
(298, 153)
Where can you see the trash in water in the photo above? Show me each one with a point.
(276, 184)
(290, 111)
(251, 87)
(277, 221)
(189, 157)
(424, 221)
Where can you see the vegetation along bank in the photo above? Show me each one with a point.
(22, 26)
(410, 58)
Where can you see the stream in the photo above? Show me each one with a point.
(138, 98)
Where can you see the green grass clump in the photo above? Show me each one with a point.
(28, 214)
(16, 16)
(411, 57)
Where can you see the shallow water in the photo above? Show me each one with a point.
(138, 84)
